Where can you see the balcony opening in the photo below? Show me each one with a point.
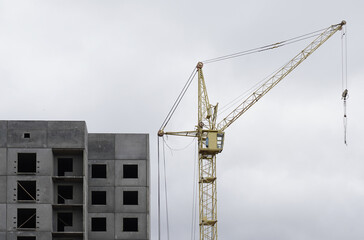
(130, 197)
(130, 224)
(98, 224)
(27, 191)
(130, 171)
(98, 197)
(26, 218)
(65, 192)
(27, 163)
(98, 171)
(64, 219)
(26, 238)
(65, 165)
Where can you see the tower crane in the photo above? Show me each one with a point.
(210, 134)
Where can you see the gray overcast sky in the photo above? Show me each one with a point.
(119, 65)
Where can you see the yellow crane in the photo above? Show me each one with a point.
(210, 134)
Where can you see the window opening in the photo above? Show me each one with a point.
(64, 220)
(130, 171)
(64, 165)
(27, 191)
(98, 197)
(98, 171)
(98, 224)
(64, 193)
(27, 162)
(26, 218)
(130, 224)
(26, 135)
(130, 197)
(26, 238)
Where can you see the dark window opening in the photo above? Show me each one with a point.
(64, 193)
(26, 238)
(98, 171)
(64, 219)
(130, 197)
(64, 165)
(27, 191)
(98, 224)
(130, 224)
(26, 135)
(130, 171)
(98, 197)
(27, 162)
(26, 218)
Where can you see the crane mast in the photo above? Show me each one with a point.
(211, 135)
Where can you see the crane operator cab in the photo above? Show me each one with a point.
(212, 141)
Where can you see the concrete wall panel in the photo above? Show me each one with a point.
(66, 134)
(110, 200)
(142, 226)
(44, 216)
(3, 160)
(3, 194)
(38, 235)
(131, 146)
(2, 218)
(101, 146)
(142, 173)
(43, 184)
(44, 160)
(3, 133)
(28, 125)
(142, 200)
(110, 224)
(3, 236)
(38, 138)
(110, 173)
(37, 130)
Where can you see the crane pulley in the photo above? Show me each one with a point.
(210, 134)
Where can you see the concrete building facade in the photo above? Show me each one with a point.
(60, 182)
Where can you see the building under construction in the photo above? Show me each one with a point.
(60, 182)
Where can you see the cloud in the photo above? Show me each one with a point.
(284, 172)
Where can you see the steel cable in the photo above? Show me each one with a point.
(344, 80)
(178, 100)
(165, 189)
(264, 48)
(159, 194)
